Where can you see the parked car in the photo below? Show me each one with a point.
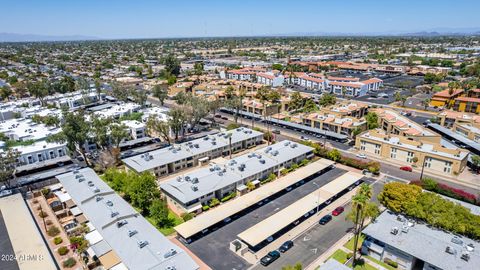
(286, 246)
(269, 258)
(224, 118)
(218, 116)
(276, 131)
(406, 168)
(324, 220)
(338, 211)
(361, 156)
(305, 138)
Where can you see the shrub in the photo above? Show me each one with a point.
(205, 207)
(187, 216)
(304, 162)
(48, 222)
(63, 250)
(42, 214)
(229, 196)
(53, 231)
(214, 202)
(232, 126)
(45, 191)
(431, 185)
(69, 263)
(57, 240)
(391, 263)
(283, 171)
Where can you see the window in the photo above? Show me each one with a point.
(428, 162)
(377, 149)
(393, 153)
(448, 167)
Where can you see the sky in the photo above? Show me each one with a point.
(189, 18)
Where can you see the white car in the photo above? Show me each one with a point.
(361, 156)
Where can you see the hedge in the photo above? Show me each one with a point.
(229, 196)
(57, 240)
(455, 193)
(62, 250)
(70, 262)
(391, 263)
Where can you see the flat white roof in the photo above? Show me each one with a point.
(266, 228)
(225, 210)
(185, 150)
(23, 234)
(25, 129)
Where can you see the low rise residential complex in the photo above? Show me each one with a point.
(186, 155)
(406, 151)
(418, 246)
(120, 237)
(187, 193)
(40, 151)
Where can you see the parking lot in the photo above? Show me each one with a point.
(377, 98)
(318, 239)
(213, 248)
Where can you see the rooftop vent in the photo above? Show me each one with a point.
(195, 180)
(205, 138)
(405, 229)
(394, 231)
(214, 143)
(169, 253)
(465, 256)
(75, 171)
(212, 169)
(262, 161)
(179, 179)
(122, 223)
(220, 173)
(294, 145)
(286, 143)
(109, 203)
(275, 153)
(142, 244)
(96, 190)
(194, 188)
(81, 179)
(470, 247)
(450, 250)
(114, 214)
(196, 145)
(99, 198)
(457, 240)
(132, 233)
(90, 183)
(187, 178)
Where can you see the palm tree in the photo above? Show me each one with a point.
(362, 209)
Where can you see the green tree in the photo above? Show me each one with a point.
(397, 196)
(8, 164)
(118, 133)
(143, 190)
(296, 101)
(5, 92)
(75, 131)
(172, 64)
(158, 127)
(100, 130)
(372, 120)
(39, 90)
(159, 213)
(310, 106)
(327, 99)
(177, 120)
(160, 92)
(334, 155)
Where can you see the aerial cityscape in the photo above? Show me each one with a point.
(228, 135)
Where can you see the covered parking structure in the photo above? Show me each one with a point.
(469, 144)
(290, 125)
(277, 224)
(194, 227)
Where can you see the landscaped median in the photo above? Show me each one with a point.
(342, 257)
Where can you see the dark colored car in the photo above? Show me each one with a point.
(406, 168)
(338, 211)
(286, 246)
(270, 257)
(324, 220)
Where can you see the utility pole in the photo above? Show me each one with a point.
(423, 167)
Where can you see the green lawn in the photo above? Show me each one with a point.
(380, 263)
(169, 230)
(349, 244)
(340, 256)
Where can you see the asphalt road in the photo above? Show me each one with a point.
(213, 248)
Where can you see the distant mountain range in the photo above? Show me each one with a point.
(14, 37)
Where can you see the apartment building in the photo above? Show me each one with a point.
(40, 151)
(22, 129)
(424, 69)
(255, 106)
(118, 110)
(137, 130)
(172, 159)
(350, 89)
(119, 237)
(348, 108)
(417, 246)
(404, 151)
(445, 97)
(270, 79)
(187, 193)
(394, 123)
(332, 122)
(470, 131)
(245, 74)
(391, 69)
(448, 118)
(467, 104)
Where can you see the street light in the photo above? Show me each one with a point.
(318, 197)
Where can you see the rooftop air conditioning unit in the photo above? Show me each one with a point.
(194, 188)
(99, 198)
(96, 190)
(142, 244)
(109, 203)
(450, 250)
(122, 223)
(114, 214)
(465, 256)
(170, 253)
(394, 231)
(132, 233)
(195, 180)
